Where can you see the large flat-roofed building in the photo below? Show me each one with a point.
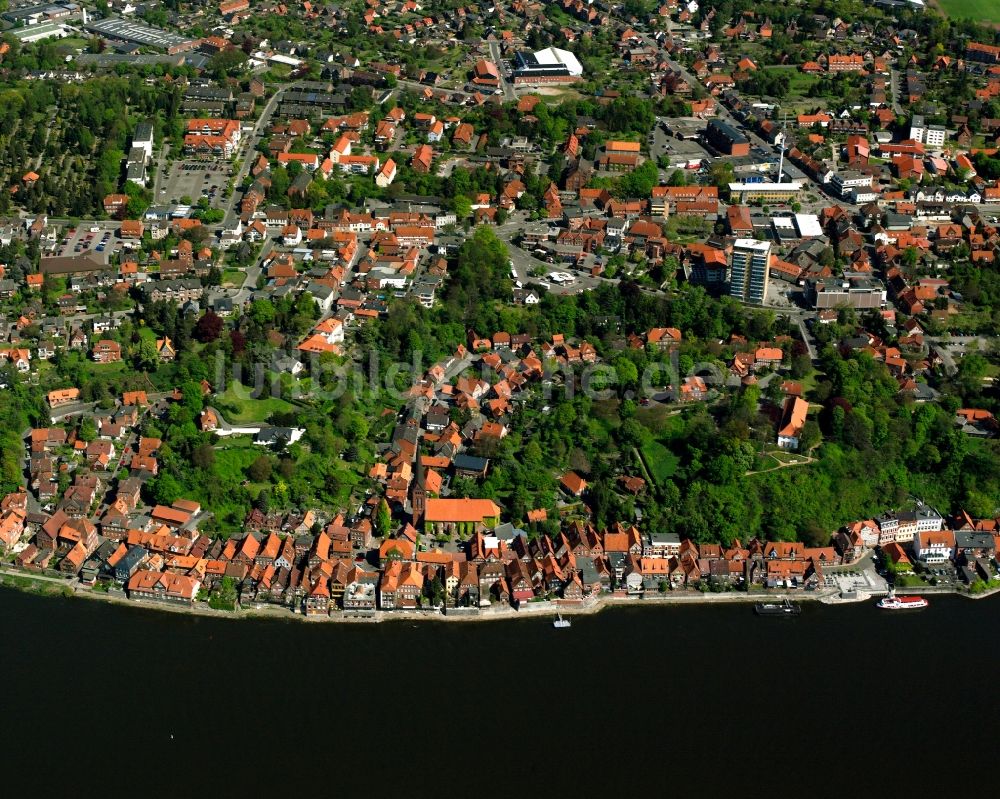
(143, 138)
(551, 65)
(845, 182)
(726, 139)
(41, 12)
(859, 293)
(748, 270)
(40, 32)
(124, 30)
(767, 192)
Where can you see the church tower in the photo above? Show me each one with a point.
(418, 497)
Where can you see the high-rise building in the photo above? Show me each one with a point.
(748, 270)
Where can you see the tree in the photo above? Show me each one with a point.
(146, 357)
(462, 206)
(260, 469)
(88, 429)
(227, 62)
(810, 436)
(165, 489)
(383, 519)
(801, 366)
(209, 327)
(203, 457)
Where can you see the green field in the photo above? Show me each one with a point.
(233, 277)
(660, 461)
(238, 407)
(977, 10)
(233, 455)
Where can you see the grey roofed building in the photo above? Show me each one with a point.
(70, 264)
(136, 173)
(975, 540)
(508, 532)
(896, 221)
(275, 435)
(286, 363)
(129, 563)
(136, 34)
(588, 573)
(470, 464)
(143, 132)
(222, 305)
(111, 60)
(212, 93)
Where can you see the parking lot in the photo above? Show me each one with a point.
(195, 179)
(83, 238)
(678, 151)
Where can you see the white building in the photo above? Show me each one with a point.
(934, 547)
(935, 136)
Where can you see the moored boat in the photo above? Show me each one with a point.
(784, 608)
(892, 602)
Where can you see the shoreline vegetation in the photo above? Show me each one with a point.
(50, 587)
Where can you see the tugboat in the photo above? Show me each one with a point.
(893, 602)
(784, 608)
(560, 622)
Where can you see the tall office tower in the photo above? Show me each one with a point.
(748, 270)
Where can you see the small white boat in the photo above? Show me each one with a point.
(560, 622)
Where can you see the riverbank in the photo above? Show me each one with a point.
(50, 586)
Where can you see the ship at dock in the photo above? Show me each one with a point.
(786, 608)
(893, 602)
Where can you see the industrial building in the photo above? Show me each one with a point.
(860, 293)
(726, 139)
(550, 65)
(135, 33)
(40, 32)
(41, 13)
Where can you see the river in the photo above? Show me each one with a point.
(842, 701)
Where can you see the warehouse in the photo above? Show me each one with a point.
(550, 65)
(135, 33)
(726, 139)
(857, 293)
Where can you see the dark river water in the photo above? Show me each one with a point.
(709, 701)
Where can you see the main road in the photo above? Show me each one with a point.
(246, 151)
(508, 89)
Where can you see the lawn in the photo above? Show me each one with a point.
(660, 461)
(238, 406)
(233, 277)
(233, 456)
(661, 420)
(978, 10)
(799, 82)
